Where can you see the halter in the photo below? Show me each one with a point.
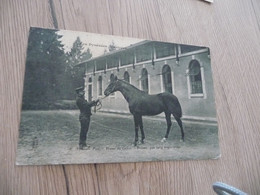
(114, 86)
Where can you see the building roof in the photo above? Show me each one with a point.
(131, 47)
(116, 51)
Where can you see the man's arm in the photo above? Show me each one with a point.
(90, 104)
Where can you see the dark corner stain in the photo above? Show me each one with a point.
(66, 179)
(95, 166)
(53, 14)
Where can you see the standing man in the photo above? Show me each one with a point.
(84, 117)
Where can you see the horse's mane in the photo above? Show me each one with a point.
(130, 85)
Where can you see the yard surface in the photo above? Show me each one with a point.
(51, 137)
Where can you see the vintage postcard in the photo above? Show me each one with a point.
(92, 98)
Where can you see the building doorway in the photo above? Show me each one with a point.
(90, 89)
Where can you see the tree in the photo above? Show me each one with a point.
(112, 47)
(74, 72)
(45, 65)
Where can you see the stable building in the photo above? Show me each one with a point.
(156, 67)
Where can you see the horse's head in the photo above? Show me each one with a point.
(112, 87)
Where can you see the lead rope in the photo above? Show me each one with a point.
(98, 106)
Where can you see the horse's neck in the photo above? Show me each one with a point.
(129, 92)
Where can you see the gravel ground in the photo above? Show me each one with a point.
(51, 137)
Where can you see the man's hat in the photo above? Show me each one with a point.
(79, 89)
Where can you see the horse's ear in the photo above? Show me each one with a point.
(115, 78)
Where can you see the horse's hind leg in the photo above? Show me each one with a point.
(169, 124)
(180, 124)
(142, 129)
(136, 120)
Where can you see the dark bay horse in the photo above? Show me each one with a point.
(141, 103)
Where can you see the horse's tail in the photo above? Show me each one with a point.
(172, 103)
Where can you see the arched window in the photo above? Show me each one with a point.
(144, 80)
(195, 78)
(90, 89)
(112, 78)
(100, 85)
(127, 77)
(167, 78)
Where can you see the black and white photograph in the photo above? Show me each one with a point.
(93, 98)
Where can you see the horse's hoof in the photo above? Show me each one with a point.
(84, 147)
(163, 139)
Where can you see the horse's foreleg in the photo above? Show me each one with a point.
(169, 124)
(142, 129)
(180, 124)
(136, 129)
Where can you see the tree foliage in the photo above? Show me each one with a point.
(45, 65)
(51, 74)
(112, 47)
(75, 71)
